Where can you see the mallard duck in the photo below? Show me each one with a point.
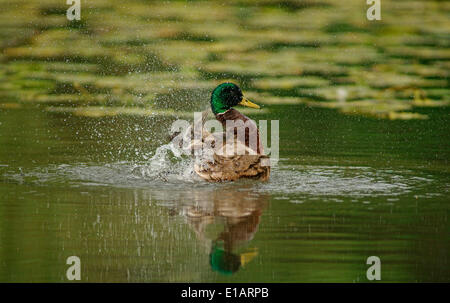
(226, 163)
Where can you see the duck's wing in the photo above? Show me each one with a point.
(188, 141)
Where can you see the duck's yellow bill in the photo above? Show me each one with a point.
(248, 103)
(248, 256)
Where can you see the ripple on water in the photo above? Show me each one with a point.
(294, 183)
(341, 181)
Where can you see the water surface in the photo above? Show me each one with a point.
(345, 188)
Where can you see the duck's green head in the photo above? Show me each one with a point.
(227, 263)
(227, 95)
(224, 262)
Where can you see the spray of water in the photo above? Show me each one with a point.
(167, 164)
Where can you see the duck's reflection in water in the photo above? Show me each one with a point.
(238, 213)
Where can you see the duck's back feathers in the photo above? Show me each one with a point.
(225, 167)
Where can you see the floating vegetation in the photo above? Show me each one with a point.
(289, 82)
(166, 55)
(102, 111)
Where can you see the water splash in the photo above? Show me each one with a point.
(167, 164)
(167, 169)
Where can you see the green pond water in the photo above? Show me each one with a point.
(85, 169)
(345, 188)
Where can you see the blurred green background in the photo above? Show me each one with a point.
(157, 54)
